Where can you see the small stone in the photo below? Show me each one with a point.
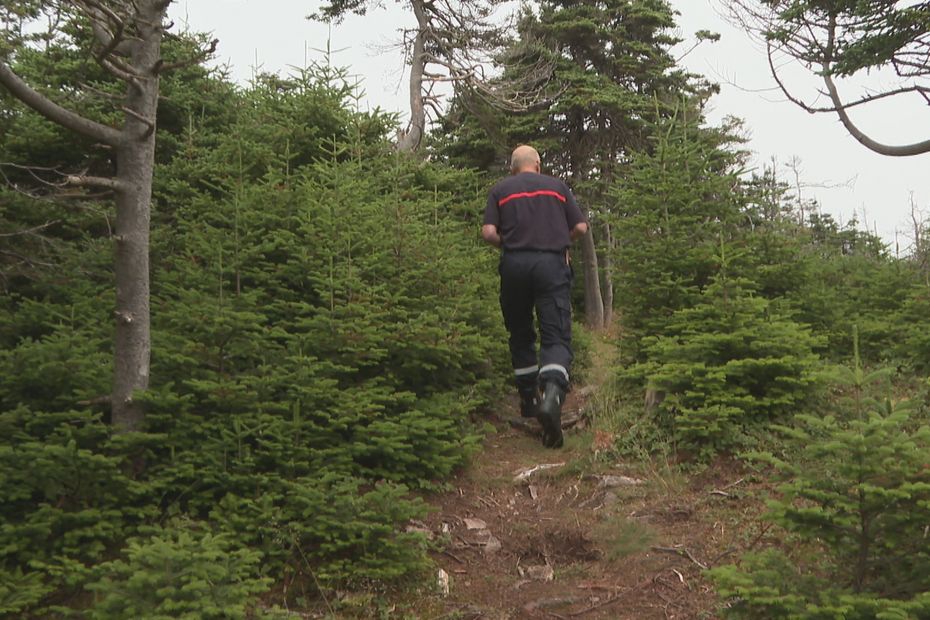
(493, 546)
(443, 581)
(487, 541)
(540, 573)
(475, 524)
(618, 481)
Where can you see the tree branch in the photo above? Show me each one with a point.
(204, 55)
(119, 70)
(906, 150)
(921, 90)
(54, 112)
(781, 85)
(112, 40)
(148, 122)
(24, 259)
(91, 181)
(882, 149)
(30, 231)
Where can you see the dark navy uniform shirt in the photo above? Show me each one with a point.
(533, 212)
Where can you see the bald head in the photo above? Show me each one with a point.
(524, 159)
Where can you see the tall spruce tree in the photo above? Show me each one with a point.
(613, 77)
(672, 210)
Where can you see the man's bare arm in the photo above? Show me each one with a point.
(490, 234)
(579, 231)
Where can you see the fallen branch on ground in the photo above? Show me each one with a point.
(682, 552)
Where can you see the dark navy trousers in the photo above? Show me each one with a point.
(541, 281)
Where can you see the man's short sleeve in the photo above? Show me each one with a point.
(573, 214)
(491, 213)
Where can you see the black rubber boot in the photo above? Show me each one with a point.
(529, 402)
(528, 387)
(550, 415)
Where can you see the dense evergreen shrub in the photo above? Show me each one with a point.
(912, 329)
(180, 572)
(670, 212)
(854, 499)
(729, 366)
(850, 279)
(324, 322)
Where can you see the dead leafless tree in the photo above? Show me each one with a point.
(455, 42)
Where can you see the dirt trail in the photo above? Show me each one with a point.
(587, 537)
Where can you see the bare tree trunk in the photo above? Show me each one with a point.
(411, 138)
(137, 61)
(608, 277)
(135, 164)
(593, 302)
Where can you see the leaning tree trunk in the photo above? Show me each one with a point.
(135, 164)
(411, 138)
(593, 302)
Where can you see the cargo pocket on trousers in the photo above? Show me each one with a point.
(564, 309)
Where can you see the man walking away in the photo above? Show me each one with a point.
(533, 218)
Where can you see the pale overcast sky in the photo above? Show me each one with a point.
(275, 35)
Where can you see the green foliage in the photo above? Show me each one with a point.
(625, 537)
(669, 213)
(855, 500)
(324, 322)
(727, 366)
(65, 502)
(849, 279)
(870, 34)
(19, 591)
(912, 329)
(178, 572)
(767, 585)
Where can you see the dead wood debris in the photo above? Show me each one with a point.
(610, 481)
(523, 475)
(682, 552)
(611, 600)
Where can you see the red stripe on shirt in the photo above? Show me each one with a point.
(542, 192)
